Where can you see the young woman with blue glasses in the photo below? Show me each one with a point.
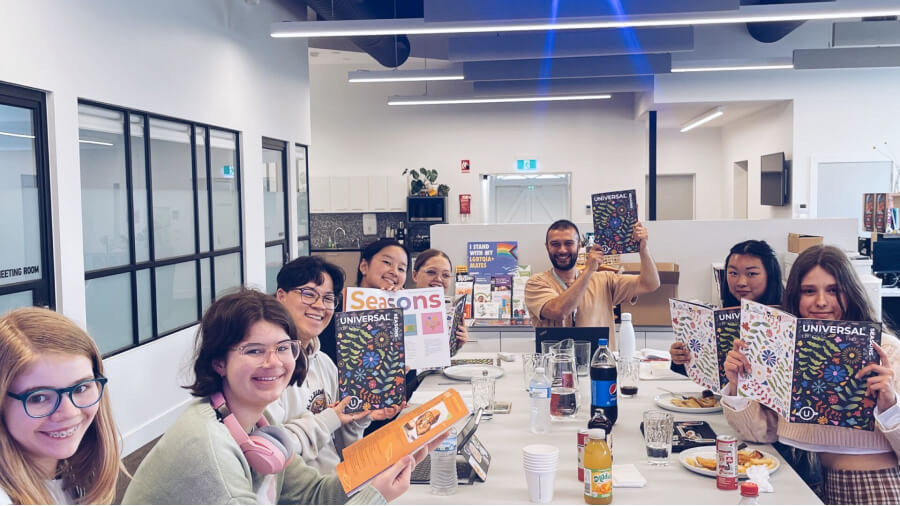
(57, 440)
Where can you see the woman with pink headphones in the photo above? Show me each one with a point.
(223, 450)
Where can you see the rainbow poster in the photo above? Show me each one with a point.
(492, 258)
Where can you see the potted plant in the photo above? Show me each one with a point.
(423, 182)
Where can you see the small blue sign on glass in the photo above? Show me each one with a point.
(228, 171)
(526, 164)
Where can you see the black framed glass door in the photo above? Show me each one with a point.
(26, 252)
(275, 201)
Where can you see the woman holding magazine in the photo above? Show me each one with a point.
(309, 288)
(225, 448)
(751, 272)
(860, 466)
(434, 269)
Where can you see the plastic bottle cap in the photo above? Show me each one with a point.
(749, 489)
(626, 317)
(603, 342)
(597, 433)
(539, 370)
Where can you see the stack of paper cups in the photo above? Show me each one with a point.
(540, 463)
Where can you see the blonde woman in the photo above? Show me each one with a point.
(57, 438)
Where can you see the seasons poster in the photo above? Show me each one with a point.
(615, 214)
(805, 369)
(371, 358)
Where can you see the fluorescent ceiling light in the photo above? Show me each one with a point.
(703, 118)
(387, 76)
(746, 14)
(98, 143)
(734, 67)
(23, 136)
(489, 100)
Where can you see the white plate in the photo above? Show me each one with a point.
(664, 401)
(465, 372)
(710, 453)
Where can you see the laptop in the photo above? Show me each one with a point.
(465, 473)
(589, 334)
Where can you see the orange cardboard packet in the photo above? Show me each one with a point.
(364, 459)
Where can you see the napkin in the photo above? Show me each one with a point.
(627, 476)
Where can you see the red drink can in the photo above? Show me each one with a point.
(582, 440)
(726, 463)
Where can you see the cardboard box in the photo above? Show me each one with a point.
(799, 242)
(653, 308)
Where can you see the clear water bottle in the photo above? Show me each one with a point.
(443, 467)
(626, 338)
(539, 391)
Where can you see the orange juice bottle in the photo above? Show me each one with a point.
(597, 469)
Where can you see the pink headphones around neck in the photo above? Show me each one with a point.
(268, 449)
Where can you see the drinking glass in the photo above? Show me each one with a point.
(658, 436)
(547, 346)
(483, 395)
(583, 357)
(529, 362)
(629, 370)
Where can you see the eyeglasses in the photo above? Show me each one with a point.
(310, 296)
(286, 351)
(431, 273)
(43, 402)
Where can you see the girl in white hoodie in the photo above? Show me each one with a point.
(309, 289)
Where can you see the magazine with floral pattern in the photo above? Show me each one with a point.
(615, 214)
(371, 365)
(804, 368)
(694, 326)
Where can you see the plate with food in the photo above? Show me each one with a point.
(690, 402)
(420, 425)
(465, 372)
(703, 460)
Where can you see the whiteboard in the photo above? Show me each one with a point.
(841, 185)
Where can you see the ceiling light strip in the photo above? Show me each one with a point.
(388, 76)
(21, 136)
(734, 67)
(418, 26)
(490, 100)
(702, 119)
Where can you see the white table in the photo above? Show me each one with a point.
(505, 435)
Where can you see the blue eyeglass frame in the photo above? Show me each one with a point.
(60, 391)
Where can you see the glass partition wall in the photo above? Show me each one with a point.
(301, 164)
(275, 201)
(161, 222)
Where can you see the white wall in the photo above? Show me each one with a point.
(207, 61)
(599, 142)
(768, 131)
(836, 113)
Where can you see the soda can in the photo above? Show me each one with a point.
(582, 440)
(726, 463)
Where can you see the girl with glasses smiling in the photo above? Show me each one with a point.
(313, 410)
(225, 448)
(57, 441)
(433, 269)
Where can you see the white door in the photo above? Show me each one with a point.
(740, 190)
(674, 196)
(532, 198)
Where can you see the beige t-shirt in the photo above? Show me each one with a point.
(605, 291)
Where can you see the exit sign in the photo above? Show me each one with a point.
(526, 164)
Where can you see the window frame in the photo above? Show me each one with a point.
(281, 147)
(152, 264)
(305, 149)
(43, 290)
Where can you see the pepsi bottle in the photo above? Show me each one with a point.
(603, 382)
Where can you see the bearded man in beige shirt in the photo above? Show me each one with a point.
(561, 297)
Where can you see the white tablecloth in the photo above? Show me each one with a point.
(505, 435)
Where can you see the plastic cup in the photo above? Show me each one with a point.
(530, 361)
(540, 485)
(583, 357)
